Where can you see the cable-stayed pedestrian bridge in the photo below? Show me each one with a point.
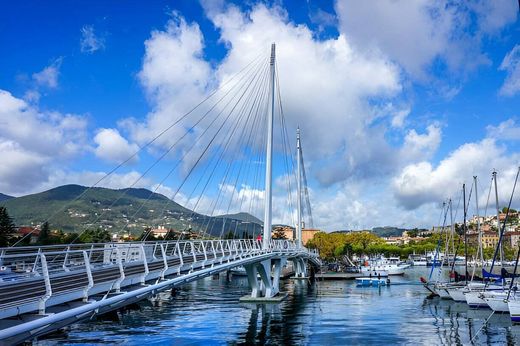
(216, 153)
(45, 288)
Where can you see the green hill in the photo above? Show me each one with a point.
(73, 208)
(244, 217)
(5, 197)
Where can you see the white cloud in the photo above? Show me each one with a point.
(89, 42)
(89, 178)
(506, 130)
(420, 33)
(511, 64)
(422, 182)
(112, 147)
(31, 142)
(48, 77)
(492, 16)
(421, 147)
(336, 79)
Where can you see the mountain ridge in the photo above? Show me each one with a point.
(73, 208)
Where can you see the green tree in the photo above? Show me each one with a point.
(413, 233)
(95, 236)
(7, 228)
(44, 238)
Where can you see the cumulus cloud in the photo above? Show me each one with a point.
(506, 130)
(32, 140)
(418, 34)
(90, 42)
(511, 64)
(421, 146)
(112, 147)
(423, 182)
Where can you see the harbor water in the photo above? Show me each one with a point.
(208, 312)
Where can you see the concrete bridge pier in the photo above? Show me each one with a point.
(300, 268)
(265, 288)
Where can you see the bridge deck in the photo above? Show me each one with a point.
(107, 276)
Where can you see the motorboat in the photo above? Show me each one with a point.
(369, 281)
(384, 267)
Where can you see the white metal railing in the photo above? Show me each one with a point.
(21, 263)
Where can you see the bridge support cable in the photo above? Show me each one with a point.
(212, 138)
(242, 82)
(244, 141)
(200, 135)
(246, 69)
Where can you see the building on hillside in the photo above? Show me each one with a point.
(30, 232)
(308, 234)
(160, 231)
(513, 238)
(290, 233)
(489, 239)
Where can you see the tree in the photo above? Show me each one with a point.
(95, 236)
(7, 228)
(413, 233)
(44, 238)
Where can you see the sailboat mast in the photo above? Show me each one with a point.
(498, 220)
(299, 192)
(465, 235)
(269, 159)
(479, 248)
(452, 232)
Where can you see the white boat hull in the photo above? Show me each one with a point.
(497, 304)
(457, 293)
(474, 300)
(514, 310)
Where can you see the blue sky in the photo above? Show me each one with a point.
(399, 102)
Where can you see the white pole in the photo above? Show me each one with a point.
(299, 192)
(268, 162)
(498, 219)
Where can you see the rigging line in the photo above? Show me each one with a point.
(505, 221)
(214, 164)
(220, 158)
(307, 197)
(489, 194)
(287, 172)
(210, 161)
(258, 152)
(59, 210)
(286, 144)
(217, 201)
(257, 102)
(177, 142)
(238, 176)
(253, 159)
(290, 171)
(250, 142)
(212, 139)
(142, 175)
(207, 128)
(154, 164)
(259, 175)
(209, 219)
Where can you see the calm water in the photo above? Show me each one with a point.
(207, 312)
